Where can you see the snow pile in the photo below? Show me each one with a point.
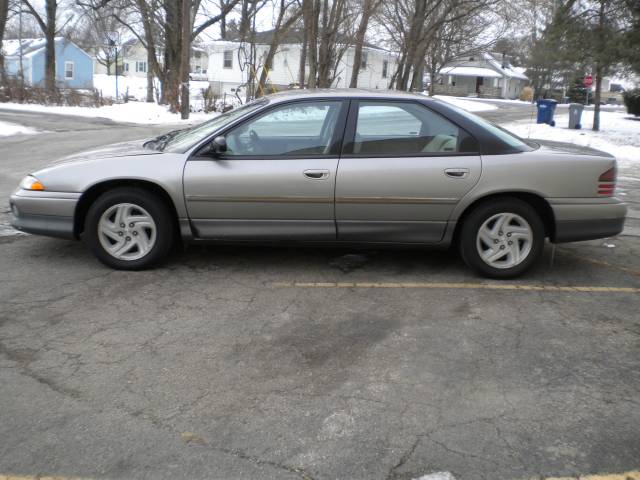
(131, 112)
(7, 129)
(619, 134)
(136, 87)
(468, 105)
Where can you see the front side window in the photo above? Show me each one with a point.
(304, 128)
(228, 59)
(403, 128)
(69, 70)
(183, 140)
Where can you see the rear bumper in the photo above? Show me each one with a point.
(584, 219)
(44, 213)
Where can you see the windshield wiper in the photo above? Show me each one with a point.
(160, 142)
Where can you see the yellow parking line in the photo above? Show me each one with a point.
(38, 477)
(634, 475)
(460, 286)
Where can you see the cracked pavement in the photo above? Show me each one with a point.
(205, 368)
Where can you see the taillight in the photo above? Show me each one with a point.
(607, 182)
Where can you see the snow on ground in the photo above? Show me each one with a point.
(136, 87)
(7, 129)
(131, 112)
(619, 135)
(437, 476)
(465, 103)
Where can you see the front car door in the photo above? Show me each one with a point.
(403, 170)
(277, 179)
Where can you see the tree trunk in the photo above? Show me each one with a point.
(360, 34)
(596, 98)
(4, 12)
(311, 16)
(150, 71)
(173, 42)
(184, 59)
(303, 59)
(51, 7)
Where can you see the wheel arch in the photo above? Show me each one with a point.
(539, 203)
(92, 193)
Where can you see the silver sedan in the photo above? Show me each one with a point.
(346, 167)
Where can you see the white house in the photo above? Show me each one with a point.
(132, 61)
(228, 67)
(485, 75)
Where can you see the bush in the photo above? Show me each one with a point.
(527, 94)
(632, 101)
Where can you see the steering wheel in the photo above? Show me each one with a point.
(253, 136)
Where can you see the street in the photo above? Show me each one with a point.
(264, 362)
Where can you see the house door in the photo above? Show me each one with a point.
(479, 83)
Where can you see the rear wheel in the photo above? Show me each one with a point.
(503, 238)
(129, 229)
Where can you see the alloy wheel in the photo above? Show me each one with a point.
(127, 231)
(504, 240)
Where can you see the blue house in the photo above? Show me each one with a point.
(74, 67)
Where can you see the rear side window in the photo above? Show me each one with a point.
(404, 128)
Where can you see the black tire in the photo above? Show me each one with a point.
(156, 208)
(483, 212)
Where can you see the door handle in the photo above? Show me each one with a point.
(456, 172)
(316, 174)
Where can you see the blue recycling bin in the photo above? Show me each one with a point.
(546, 109)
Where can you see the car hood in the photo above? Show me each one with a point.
(564, 148)
(125, 149)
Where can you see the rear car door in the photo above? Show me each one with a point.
(277, 179)
(403, 170)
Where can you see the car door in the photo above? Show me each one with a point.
(403, 169)
(276, 180)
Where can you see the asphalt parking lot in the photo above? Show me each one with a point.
(262, 362)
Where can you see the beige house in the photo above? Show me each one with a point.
(484, 75)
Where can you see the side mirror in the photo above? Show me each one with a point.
(218, 146)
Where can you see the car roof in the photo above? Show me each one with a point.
(344, 93)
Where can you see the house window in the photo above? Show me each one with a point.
(197, 54)
(126, 67)
(141, 67)
(385, 68)
(228, 59)
(69, 70)
(363, 60)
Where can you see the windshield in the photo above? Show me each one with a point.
(183, 140)
(504, 135)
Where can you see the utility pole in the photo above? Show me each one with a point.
(184, 59)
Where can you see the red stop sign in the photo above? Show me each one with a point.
(588, 80)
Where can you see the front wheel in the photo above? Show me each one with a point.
(129, 229)
(503, 238)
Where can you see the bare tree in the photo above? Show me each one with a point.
(369, 8)
(4, 15)
(281, 27)
(48, 27)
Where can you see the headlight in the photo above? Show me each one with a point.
(31, 183)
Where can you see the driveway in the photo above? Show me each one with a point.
(255, 362)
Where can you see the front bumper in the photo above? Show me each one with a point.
(587, 219)
(44, 213)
